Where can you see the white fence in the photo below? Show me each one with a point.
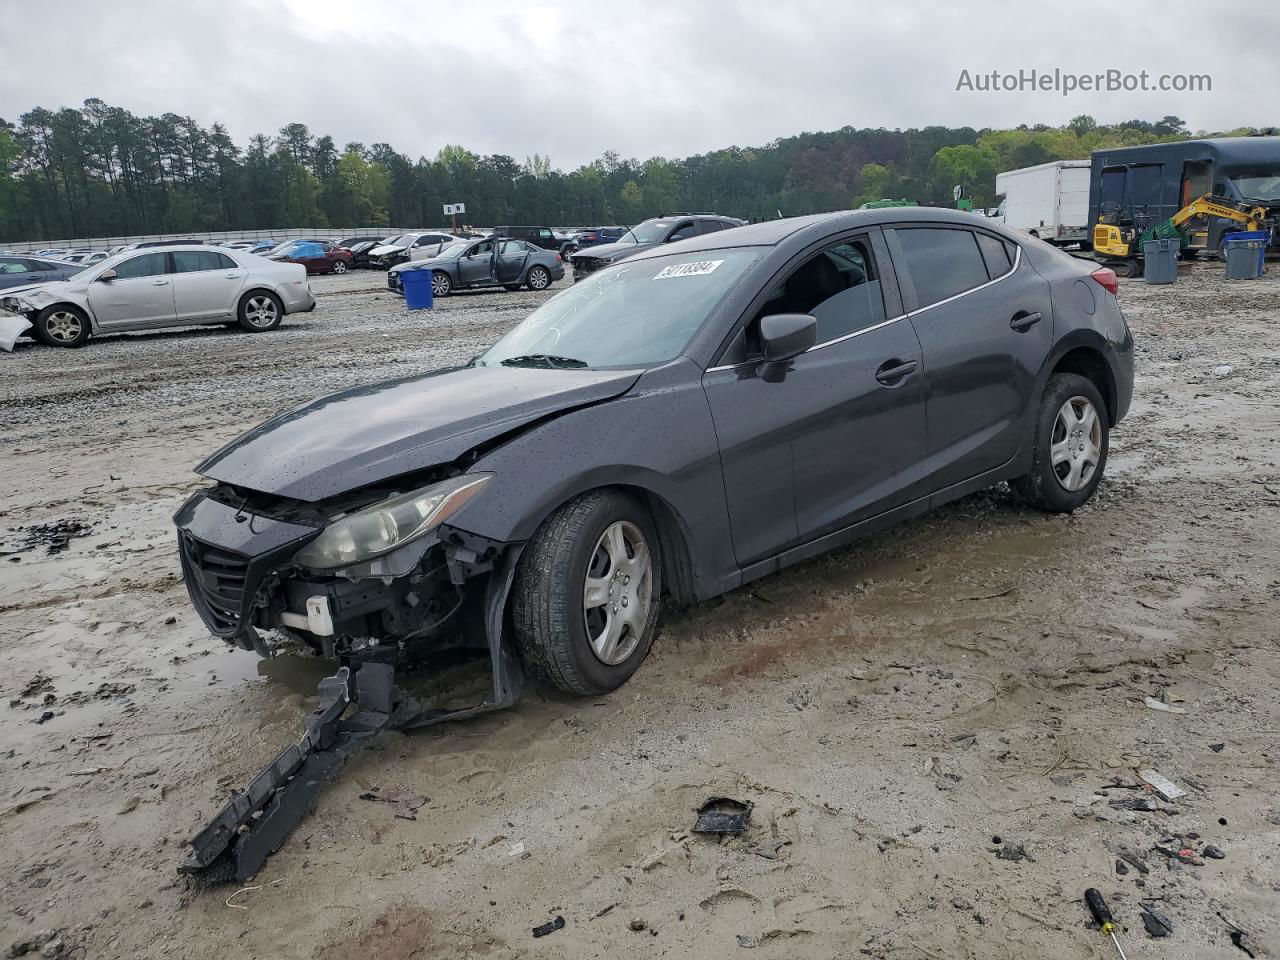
(284, 233)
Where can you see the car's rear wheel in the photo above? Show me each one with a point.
(62, 325)
(440, 284)
(538, 278)
(260, 311)
(1070, 446)
(587, 593)
(340, 266)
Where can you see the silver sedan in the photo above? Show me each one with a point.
(173, 287)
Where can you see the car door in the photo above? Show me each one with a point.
(141, 294)
(512, 257)
(205, 285)
(475, 266)
(840, 439)
(985, 322)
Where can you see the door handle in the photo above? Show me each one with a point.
(232, 276)
(1024, 321)
(893, 372)
(159, 283)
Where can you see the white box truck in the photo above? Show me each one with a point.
(1049, 201)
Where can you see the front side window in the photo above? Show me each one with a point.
(147, 265)
(545, 233)
(942, 263)
(682, 232)
(839, 287)
(481, 249)
(636, 313)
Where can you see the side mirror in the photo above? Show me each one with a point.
(106, 276)
(783, 337)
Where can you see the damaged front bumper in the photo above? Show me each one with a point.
(449, 590)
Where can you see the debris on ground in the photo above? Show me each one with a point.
(747, 941)
(54, 536)
(1160, 705)
(1183, 855)
(1213, 853)
(1161, 785)
(1157, 924)
(723, 815)
(1010, 850)
(408, 806)
(551, 926)
(46, 944)
(637, 924)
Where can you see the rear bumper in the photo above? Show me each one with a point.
(297, 297)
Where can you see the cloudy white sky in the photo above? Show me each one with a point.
(573, 78)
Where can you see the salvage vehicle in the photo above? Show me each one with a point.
(409, 246)
(543, 237)
(24, 271)
(678, 425)
(315, 256)
(485, 263)
(176, 286)
(645, 236)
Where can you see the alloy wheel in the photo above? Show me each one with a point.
(439, 285)
(64, 326)
(340, 266)
(539, 278)
(1076, 446)
(260, 311)
(618, 592)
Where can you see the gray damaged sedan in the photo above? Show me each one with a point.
(152, 289)
(492, 262)
(675, 426)
(682, 423)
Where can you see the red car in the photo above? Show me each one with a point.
(318, 256)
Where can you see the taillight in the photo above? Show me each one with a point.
(1107, 278)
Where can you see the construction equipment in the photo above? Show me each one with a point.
(1120, 247)
(1102, 914)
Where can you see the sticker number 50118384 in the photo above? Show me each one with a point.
(696, 269)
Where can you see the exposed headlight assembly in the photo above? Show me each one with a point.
(389, 524)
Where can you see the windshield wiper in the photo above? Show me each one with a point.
(544, 360)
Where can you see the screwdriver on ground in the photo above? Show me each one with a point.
(1102, 913)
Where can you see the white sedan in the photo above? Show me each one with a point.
(173, 287)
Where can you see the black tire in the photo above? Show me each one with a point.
(259, 311)
(548, 605)
(1046, 485)
(441, 285)
(538, 278)
(513, 287)
(339, 266)
(62, 325)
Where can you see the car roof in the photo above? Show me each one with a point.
(770, 233)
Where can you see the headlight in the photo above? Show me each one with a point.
(390, 524)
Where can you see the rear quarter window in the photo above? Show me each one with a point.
(942, 262)
(998, 254)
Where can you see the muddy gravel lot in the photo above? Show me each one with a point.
(940, 727)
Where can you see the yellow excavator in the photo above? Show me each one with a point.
(1120, 247)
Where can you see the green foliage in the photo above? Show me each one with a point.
(101, 171)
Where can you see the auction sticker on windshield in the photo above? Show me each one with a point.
(696, 269)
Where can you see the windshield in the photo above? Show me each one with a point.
(651, 231)
(638, 313)
(1258, 185)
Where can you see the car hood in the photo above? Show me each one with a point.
(383, 249)
(376, 432)
(424, 264)
(609, 251)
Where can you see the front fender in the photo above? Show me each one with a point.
(657, 439)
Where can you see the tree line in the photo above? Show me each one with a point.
(102, 171)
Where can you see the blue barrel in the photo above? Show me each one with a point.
(417, 289)
(1246, 253)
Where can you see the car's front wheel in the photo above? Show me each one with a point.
(587, 592)
(1070, 445)
(62, 325)
(260, 311)
(339, 266)
(440, 284)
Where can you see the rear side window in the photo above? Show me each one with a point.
(147, 265)
(998, 254)
(191, 261)
(942, 263)
(709, 226)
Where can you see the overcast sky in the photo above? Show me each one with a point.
(573, 78)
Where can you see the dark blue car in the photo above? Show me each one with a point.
(23, 271)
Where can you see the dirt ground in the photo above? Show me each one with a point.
(909, 716)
